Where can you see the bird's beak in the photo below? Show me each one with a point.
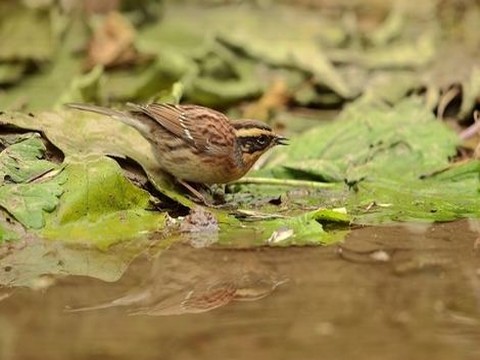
(280, 140)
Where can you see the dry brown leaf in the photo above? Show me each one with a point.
(274, 98)
(112, 43)
(100, 7)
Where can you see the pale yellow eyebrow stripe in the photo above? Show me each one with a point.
(252, 132)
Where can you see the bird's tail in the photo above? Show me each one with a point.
(122, 116)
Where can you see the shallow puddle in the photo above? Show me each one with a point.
(403, 292)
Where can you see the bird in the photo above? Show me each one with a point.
(196, 144)
(187, 280)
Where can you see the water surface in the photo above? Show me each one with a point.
(402, 292)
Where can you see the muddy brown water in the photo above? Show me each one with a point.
(399, 292)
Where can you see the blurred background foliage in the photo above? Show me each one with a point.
(258, 58)
(391, 65)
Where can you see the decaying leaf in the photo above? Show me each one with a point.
(112, 43)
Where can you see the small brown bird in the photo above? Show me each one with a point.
(194, 143)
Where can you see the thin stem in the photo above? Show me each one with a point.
(473, 129)
(284, 182)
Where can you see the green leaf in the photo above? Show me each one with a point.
(298, 46)
(395, 162)
(11, 72)
(305, 229)
(25, 34)
(471, 91)
(390, 86)
(171, 96)
(100, 206)
(407, 53)
(28, 203)
(8, 232)
(450, 195)
(219, 72)
(42, 90)
(145, 82)
(83, 88)
(370, 141)
(86, 136)
(20, 163)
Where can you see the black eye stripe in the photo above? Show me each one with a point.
(253, 144)
(254, 139)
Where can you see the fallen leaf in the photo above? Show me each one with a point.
(112, 44)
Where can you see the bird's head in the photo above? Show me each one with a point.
(254, 138)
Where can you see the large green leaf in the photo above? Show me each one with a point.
(100, 205)
(394, 161)
(451, 195)
(86, 136)
(374, 141)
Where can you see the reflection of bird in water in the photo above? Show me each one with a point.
(187, 280)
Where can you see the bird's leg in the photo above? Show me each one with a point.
(197, 194)
(214, 198)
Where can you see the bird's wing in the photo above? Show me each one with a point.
(206, 129)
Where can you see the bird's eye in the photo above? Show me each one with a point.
(262, 139)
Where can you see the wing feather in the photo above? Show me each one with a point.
(196, 125)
